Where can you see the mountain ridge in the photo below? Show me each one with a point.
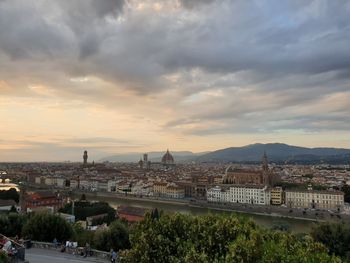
(276, 152)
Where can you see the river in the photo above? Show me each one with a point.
(295, 225)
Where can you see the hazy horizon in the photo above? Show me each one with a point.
(117, 76)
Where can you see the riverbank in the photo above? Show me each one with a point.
(248, 209)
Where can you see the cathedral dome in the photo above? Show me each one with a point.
(167, 158)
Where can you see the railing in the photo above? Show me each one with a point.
(76, 251)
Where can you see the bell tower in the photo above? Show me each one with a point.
(85, 157)
(265, 163)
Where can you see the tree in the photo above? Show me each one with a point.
(13, 209)
(85, 209)
(47, 227)
(10, 194)
(155, 214)
(346, 190)
(116, 237)
(11, 224)
(335, 236)
(81, 235)
(217, 238)
(83, 197)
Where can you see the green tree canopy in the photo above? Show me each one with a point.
(335, 236)
(217, 238)
(10, 194)
(11, 224)
(116, 237)
(47, 227)
(83, 209)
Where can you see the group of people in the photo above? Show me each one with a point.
(73, 247)
(8, 247)
(86, 251)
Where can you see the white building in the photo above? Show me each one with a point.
(332, 200)
(61, 182)
(240, 194)
(111, 185)
(38, 180)
(73, 183)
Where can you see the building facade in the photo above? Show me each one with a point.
(243, 194)
(277, 196)
(332, 200)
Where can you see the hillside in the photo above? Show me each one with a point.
(277, 152)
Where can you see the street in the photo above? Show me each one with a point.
(35, 255)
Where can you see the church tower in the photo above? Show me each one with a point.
(265, 170)
(265, 163)
(85, 157)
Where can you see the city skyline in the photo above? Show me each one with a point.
(115, 76)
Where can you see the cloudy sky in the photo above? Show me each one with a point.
(115, 76)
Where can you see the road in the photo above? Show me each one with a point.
(35, 255)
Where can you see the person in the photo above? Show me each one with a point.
(63, 247)
(86, 249)
(113, 256)
(55, 243)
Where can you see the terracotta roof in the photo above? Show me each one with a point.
(130, 210)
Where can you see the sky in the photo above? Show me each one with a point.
(117, 76)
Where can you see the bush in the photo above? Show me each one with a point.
(116, 237)
(11, 224)
(81, 235)
(3, 257)
(47, 227)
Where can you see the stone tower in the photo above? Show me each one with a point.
(265, 163)
(85, 157)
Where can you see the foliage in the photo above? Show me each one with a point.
(85, 209)
(10, 194)
(83, 197)
(3, 257)
(346, 190)
(81, 235)
(155, 214)
(47, 227)
(11, 224)
(116, 237)
(13, 209)
(335, 236)
(217, 238)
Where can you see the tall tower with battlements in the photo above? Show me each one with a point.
(265, 163)
(85, 157)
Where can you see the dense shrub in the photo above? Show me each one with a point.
(335, 236)
(47, 227)
(12, 224)
(116, 237)
(10, 194)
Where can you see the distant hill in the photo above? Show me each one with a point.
(277, 152)
(180, 156)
